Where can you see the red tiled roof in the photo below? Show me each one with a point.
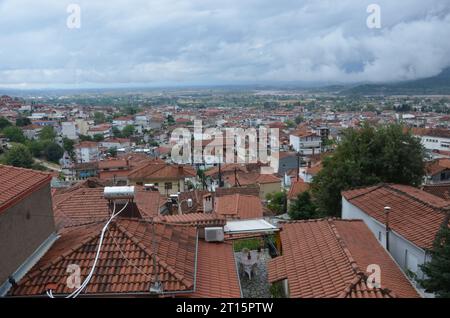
(217, 274)
(415, 214)
(297, 187)
(239, 206)
(160, 171)
(441, 190)
(126, 262)
(87, 144)
(197, 219)
(437, 166)
(328, 259)
(17, 183)
(87, 205)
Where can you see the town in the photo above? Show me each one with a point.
(224, 157)
(216, 228)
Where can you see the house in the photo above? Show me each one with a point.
(32, 131)
(305, 142)
(334, 259)
(297, 188)
(441, 190)
(69, 130)
(433, 138)
(103, 130)
(186, 265)
(170, 179)
(83, 205)
(438, 171)
(121, 122)
(414, 218)
(267, 183)
(87, 151)
(27, 228)
(116, 170)
(239, 206)
(117, 143)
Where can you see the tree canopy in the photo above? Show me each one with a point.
(437, 271)
(19, 156)
(368, 156)
(4, 123)
(277, 202)
(303, 208)
(128, 131)
(14, 134)
(47, 133)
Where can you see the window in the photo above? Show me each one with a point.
(168, 185)
(379, 236)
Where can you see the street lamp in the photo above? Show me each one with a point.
(387, 210)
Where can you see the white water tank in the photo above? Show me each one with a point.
(113, 193)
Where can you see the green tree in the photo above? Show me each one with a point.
(98, 137)
(85, 138)
(53, 152)
(170, 120)
(365, 157)
(4, 123)
(299, 119)
(112, 152)
(128, 131)
(19, 156)
(117, 133)
(23, 121)
(68, 145)
(303, 208)
(47, 133)
(437, 271)
(277, 202)
(36, 147)
(14, 134)
(99, 118)
(290, 123)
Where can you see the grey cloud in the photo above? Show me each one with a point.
(200, 41)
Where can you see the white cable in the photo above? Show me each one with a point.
(76, 292)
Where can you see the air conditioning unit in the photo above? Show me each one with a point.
(214, 234)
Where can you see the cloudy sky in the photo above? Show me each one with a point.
(186, 42)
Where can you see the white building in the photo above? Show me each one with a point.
(306, 142)
(87, 151)
(414, 219)
(434, 139)
(69, 130)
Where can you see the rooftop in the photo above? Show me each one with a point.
(329, 259)
(17, 183)
(415, 214)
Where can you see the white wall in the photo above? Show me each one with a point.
(435, 143)
(407, 255)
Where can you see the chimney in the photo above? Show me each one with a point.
(207, 203)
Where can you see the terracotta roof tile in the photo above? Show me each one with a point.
(415, 214)
(297, 187)
(441, 190)
(217, 274)
(327, 258)
(125, 265)
(239, 206)
(87, 205)
(153, 170)
(17, 183)
(197, 219)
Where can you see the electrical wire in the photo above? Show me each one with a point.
(76, 292)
